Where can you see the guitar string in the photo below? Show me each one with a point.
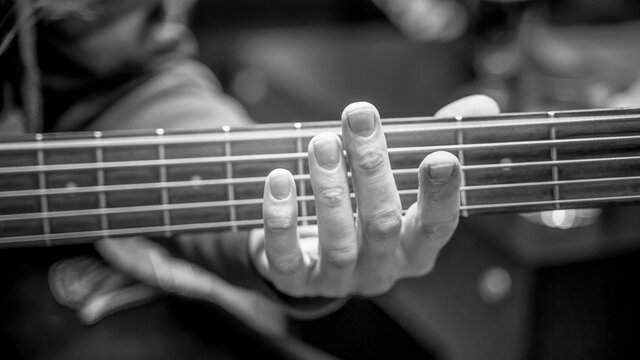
(59, 237)
(393, 151)
(305, 177)
(395, 126)
(257, 201)
(466, 168)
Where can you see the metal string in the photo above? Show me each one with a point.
(53, 237)
(278, 132)
(416, 150)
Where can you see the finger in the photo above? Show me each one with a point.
(432, 220)
(473, 105)
(139, 257)
(377, 198)
(440, 163)
(153, 264)
(280, 212)
(379, 207)
(336, 229)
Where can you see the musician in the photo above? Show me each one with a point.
(117, 64)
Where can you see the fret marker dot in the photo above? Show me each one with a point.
(226, 128)
(196, 179)
(159, 131)
(97, 134)
(39, 137)
(297, 125)
(551, 113)
(506, 161)
(458, 118)
(71, 186)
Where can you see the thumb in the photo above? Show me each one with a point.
(139, 257)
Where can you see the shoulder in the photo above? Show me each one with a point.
(181, 93)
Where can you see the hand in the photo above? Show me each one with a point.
(427, 20)
(367, 256)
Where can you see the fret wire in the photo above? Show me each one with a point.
(554, 157)
(463, 182)
(229, 173)
(166, 215)
(102, 196)
(497, 121)
(295, 156)
(259, 222)
(44, 201)
(300, 167)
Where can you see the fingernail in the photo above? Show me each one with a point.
(440, 172)
(327, 152)
(361, 122)
(279, 186)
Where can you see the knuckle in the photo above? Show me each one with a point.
(341, 290)
(381, 255)
(371, 160)
(379, 288)
(279, 224)
(385, 288)
(285, 265)
(332, 196)
(378, 281)
(384, 226)
(338, 293)
(441, 229)
(343, 257)
(417, 267)
(286, 287)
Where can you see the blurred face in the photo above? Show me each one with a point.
(122, 40)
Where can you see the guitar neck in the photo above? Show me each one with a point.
(70, 188)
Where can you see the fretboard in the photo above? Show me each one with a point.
(78, 187)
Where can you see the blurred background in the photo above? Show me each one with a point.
(557, 285)
(291, 61)
(552, 285)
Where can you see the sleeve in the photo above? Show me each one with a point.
(180, 94)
